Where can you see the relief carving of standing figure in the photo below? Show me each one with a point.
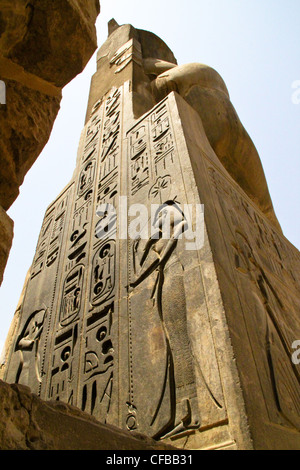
(268, 315)
(169, 295)
(28, 347)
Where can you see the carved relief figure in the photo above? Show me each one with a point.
(103, 282)
(204, 89)
(169, 297)
(283, 375)
(28, 347)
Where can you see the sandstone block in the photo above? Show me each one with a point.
(6, 236)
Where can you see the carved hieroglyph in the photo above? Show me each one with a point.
(139, 331)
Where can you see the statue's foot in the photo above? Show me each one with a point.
(187, 417)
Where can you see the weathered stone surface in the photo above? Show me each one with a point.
(13, 328)
(28, 423)
(6, 236)
(181, 336)
(43, 45)
(26, 124)
(125, 56)
(203, 88)
(258, 275)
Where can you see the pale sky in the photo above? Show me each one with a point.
(254, 45)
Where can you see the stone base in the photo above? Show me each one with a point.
(28, 423)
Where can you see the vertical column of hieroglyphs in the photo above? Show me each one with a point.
(138, 178)
(28, 352)
(65, 348)
(54, 253)
(98, 375)
(50, 238)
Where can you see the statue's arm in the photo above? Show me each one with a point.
(155, 67)
(172, 242)
(150, 269)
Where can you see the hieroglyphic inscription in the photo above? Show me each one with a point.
(162, 140)
(28, 353)
(98, 364)
(160, 294)
(65, 356)
(72, 294)
(27, 345)
(87, 304)
(131, 51)
(157, 290)
(63, 372)
(50, 237)
(275, 253)
(103, 269)
(139, 159)
(151, 150)
(39, 260)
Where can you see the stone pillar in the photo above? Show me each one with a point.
(184, 336)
